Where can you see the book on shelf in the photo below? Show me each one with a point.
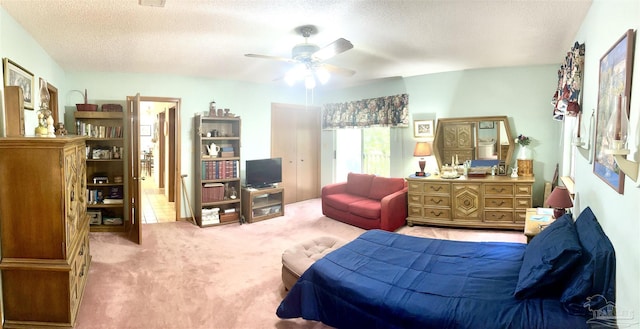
(220, 169)
(112, 201)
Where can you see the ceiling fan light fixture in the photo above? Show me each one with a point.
(323, 75)
(309, 82)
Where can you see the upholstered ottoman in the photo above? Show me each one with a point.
(299, 258)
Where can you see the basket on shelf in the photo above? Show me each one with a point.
(85, 106)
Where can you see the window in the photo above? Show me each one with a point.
(363, 150)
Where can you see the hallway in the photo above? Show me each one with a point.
(155, 208)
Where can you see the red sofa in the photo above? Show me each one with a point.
(367, 201)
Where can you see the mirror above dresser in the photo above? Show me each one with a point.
(483, 140)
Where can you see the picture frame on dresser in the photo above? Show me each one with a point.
(615, 80)
(16, 75)
(502, 169)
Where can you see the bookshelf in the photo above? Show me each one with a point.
(217, 170)
(105, 168)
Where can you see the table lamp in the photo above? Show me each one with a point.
(559, 199)
(422, 150)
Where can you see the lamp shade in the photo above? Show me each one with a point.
(422, 149)
(559, 199)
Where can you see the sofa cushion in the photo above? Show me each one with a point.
(359, 184)
(341, 201)
(367, 208)
(383, 186)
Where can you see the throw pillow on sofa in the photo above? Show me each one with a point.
(383, 186)
(359, 184)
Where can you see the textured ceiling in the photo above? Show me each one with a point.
(209, 38)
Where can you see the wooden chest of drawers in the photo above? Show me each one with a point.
(489, 202)
(44, 228)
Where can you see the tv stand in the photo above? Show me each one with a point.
(262, 203)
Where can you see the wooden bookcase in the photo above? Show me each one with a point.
(106, 173)
(261, 204)
(217, 174)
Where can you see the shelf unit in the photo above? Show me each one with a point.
(106, 170)
(261, 204)
(217, 175)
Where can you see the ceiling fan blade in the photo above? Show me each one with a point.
(338, 70)
(277, 58)
(339, 46)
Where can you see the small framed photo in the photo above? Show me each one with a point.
(16, 75)
(145, 130)
(486, 125)
(95, 217)
(502, 168)
(423, 128)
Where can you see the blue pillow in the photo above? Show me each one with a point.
(592, 285)
(548, 258)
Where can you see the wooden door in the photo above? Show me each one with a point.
(135, 209)
(295, 137)
(308, 153)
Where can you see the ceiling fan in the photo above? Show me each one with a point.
(309, 59)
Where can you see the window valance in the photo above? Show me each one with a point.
(392, 111)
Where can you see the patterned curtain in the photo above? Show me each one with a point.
(389, 111)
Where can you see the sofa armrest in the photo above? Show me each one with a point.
(393, 210)
(334, 188)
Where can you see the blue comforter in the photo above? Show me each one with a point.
(390, 280)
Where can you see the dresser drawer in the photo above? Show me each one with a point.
(523, 189)
(498, 216)
(437, 188)
(504, 203)
(414, 210)
(436, 200)
(78, 275)
(437, 213)
(519, 216)
(415, 187)
(499, 189)
(523, 203)
(414, 198)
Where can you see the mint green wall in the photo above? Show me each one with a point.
(618, 214)
(17, 45)
(522, 93)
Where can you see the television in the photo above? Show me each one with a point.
(262, 173)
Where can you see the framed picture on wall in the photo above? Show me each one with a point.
(614, 90)
(145, 130)
(423, 128)
(16, 75)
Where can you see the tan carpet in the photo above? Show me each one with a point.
(183, 276)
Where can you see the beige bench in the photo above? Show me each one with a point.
(300, 257)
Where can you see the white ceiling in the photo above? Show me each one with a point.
(208, 38)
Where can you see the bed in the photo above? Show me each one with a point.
(389, 280)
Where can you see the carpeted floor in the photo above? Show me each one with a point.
(183, 276)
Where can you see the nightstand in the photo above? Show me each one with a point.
(536, 220)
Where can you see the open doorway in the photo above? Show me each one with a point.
(158, 150)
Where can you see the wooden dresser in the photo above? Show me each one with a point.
(492, 202)
(43, 230)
